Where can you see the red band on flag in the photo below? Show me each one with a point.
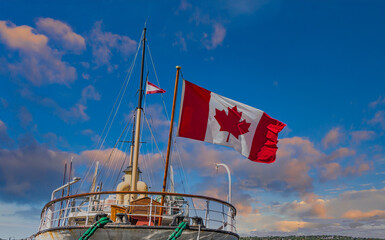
(265, 140)
(152, 88)
(194, 111)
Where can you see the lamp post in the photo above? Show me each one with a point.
(229, 175)
(229, 218)
(75, 180)
(51, 209)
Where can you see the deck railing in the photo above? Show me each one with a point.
(84, 209)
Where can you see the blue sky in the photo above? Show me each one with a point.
(317, 66)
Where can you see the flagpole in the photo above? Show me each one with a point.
(169, 139)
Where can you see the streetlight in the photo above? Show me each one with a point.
(75, 180)
(228, 174)
(229, 218)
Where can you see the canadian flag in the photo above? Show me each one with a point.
(152, 88)
(209, 117)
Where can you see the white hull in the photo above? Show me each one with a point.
(133, 232)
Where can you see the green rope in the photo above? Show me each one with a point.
(99, 224)
(178, 231)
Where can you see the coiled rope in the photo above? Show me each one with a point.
(99, 224)
(178, 231)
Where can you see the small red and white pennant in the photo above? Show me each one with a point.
(152, 88)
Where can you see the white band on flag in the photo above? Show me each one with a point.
(152, 88)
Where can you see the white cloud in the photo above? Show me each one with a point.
(38, 63)
(16, 220)
(180, 41)
(378, 119)
(333, 138)
(5, 140)
(75, 113)
(217, 36)
(62, 33)
(380, 101)
(352, 213)
(4, 103)
(184, 5)
(25, 116)
(360, 136)
(103, 43)
(24, 170)
(241, 7)
(89, 92)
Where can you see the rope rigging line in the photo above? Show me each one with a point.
(178, 231)
(123, 151)
(147, 165)
(121, 95)
(100, 173)
(121, 167)
(152, 135)
(115, 156)
(157, 81)
(167, 116)
(152, 139)
(99, 224)
(121, 99)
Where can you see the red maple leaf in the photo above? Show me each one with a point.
(231, 122)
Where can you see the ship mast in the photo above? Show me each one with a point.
(132, 146)
(139, 109)
(169, 140)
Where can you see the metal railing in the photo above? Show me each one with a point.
(84, 209)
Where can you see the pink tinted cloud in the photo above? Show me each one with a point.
(38, 63)
(290, 173)
(380, 101)
(217, 36)
(357, 169)
(180, 41)
(22, 37)
(184, 5)
(75, 113)
(242, 201)
(378, 119)
(291, 226)
(95, 138)
(333, 138)
(104, 43)
(360, 136)
(61, 32)
(89, 93)
(26, 169)
(331, 171)
(340, 153)
(5, 140)
(313, 212)
(25, 116)
(4, 103)
(358, 214)
(311, 206)
(242, 7)
(107, 157)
